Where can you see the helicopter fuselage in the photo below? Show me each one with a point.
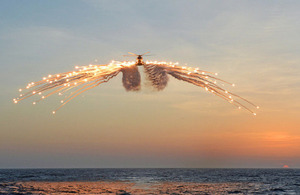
(139, 60)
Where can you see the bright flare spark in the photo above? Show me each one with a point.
(88, 77)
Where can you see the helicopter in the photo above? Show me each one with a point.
(139, 59)
(156, 72)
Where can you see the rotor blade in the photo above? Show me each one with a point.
(128, 55)
(145, 53)
(132, 53)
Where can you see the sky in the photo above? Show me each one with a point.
(254, 44)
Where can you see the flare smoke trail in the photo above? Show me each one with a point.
(87, 77)
(131, 78)
(157, 76)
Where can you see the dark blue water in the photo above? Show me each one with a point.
(285, 180)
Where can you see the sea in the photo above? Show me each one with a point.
(265, 181)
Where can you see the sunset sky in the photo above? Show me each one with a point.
(254, 44)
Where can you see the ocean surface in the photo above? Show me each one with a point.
(271, 181)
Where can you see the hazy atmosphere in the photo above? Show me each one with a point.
(254, 44)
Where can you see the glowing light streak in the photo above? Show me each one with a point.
(88, 77)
